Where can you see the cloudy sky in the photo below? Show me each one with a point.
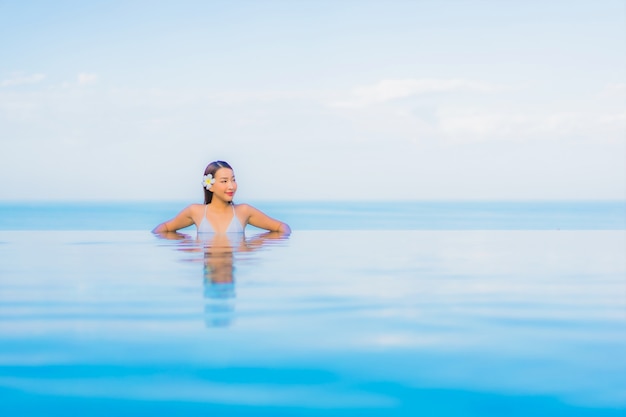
(325, 100)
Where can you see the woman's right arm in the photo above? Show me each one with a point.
(182, 220)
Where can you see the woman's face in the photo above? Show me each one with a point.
(225, 185)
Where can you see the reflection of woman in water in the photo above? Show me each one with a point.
(219, 256)
(219, 279)
(219, 214)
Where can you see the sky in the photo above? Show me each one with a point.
(313, 100)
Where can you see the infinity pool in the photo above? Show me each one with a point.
(333, 323)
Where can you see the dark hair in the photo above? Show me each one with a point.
(212, 169)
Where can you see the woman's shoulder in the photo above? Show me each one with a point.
(243, 209)
(194, 208)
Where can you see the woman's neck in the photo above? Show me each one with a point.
(219, 205)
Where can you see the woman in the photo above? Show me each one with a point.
(219, 214)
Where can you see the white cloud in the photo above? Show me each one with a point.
(472, 126)
(491, 124)
(507, 113)
(614, 118)
(237, 97)
(22, 79)
(387, 90)
(614, 89)
(85, 78)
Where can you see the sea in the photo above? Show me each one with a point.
(422, 308)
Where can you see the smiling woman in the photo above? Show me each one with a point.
(219, 214)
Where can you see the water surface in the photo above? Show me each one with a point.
(337, 215)
(327, 322)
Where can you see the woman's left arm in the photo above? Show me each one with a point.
(261, 220)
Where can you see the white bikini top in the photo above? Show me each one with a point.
(234, 226)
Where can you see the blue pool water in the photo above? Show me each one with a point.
(415, 215)
(333, 322)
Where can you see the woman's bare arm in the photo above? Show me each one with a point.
(182, 220)
(261, 220)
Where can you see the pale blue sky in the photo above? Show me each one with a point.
(333, 100)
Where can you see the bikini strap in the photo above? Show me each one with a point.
(205, 206)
